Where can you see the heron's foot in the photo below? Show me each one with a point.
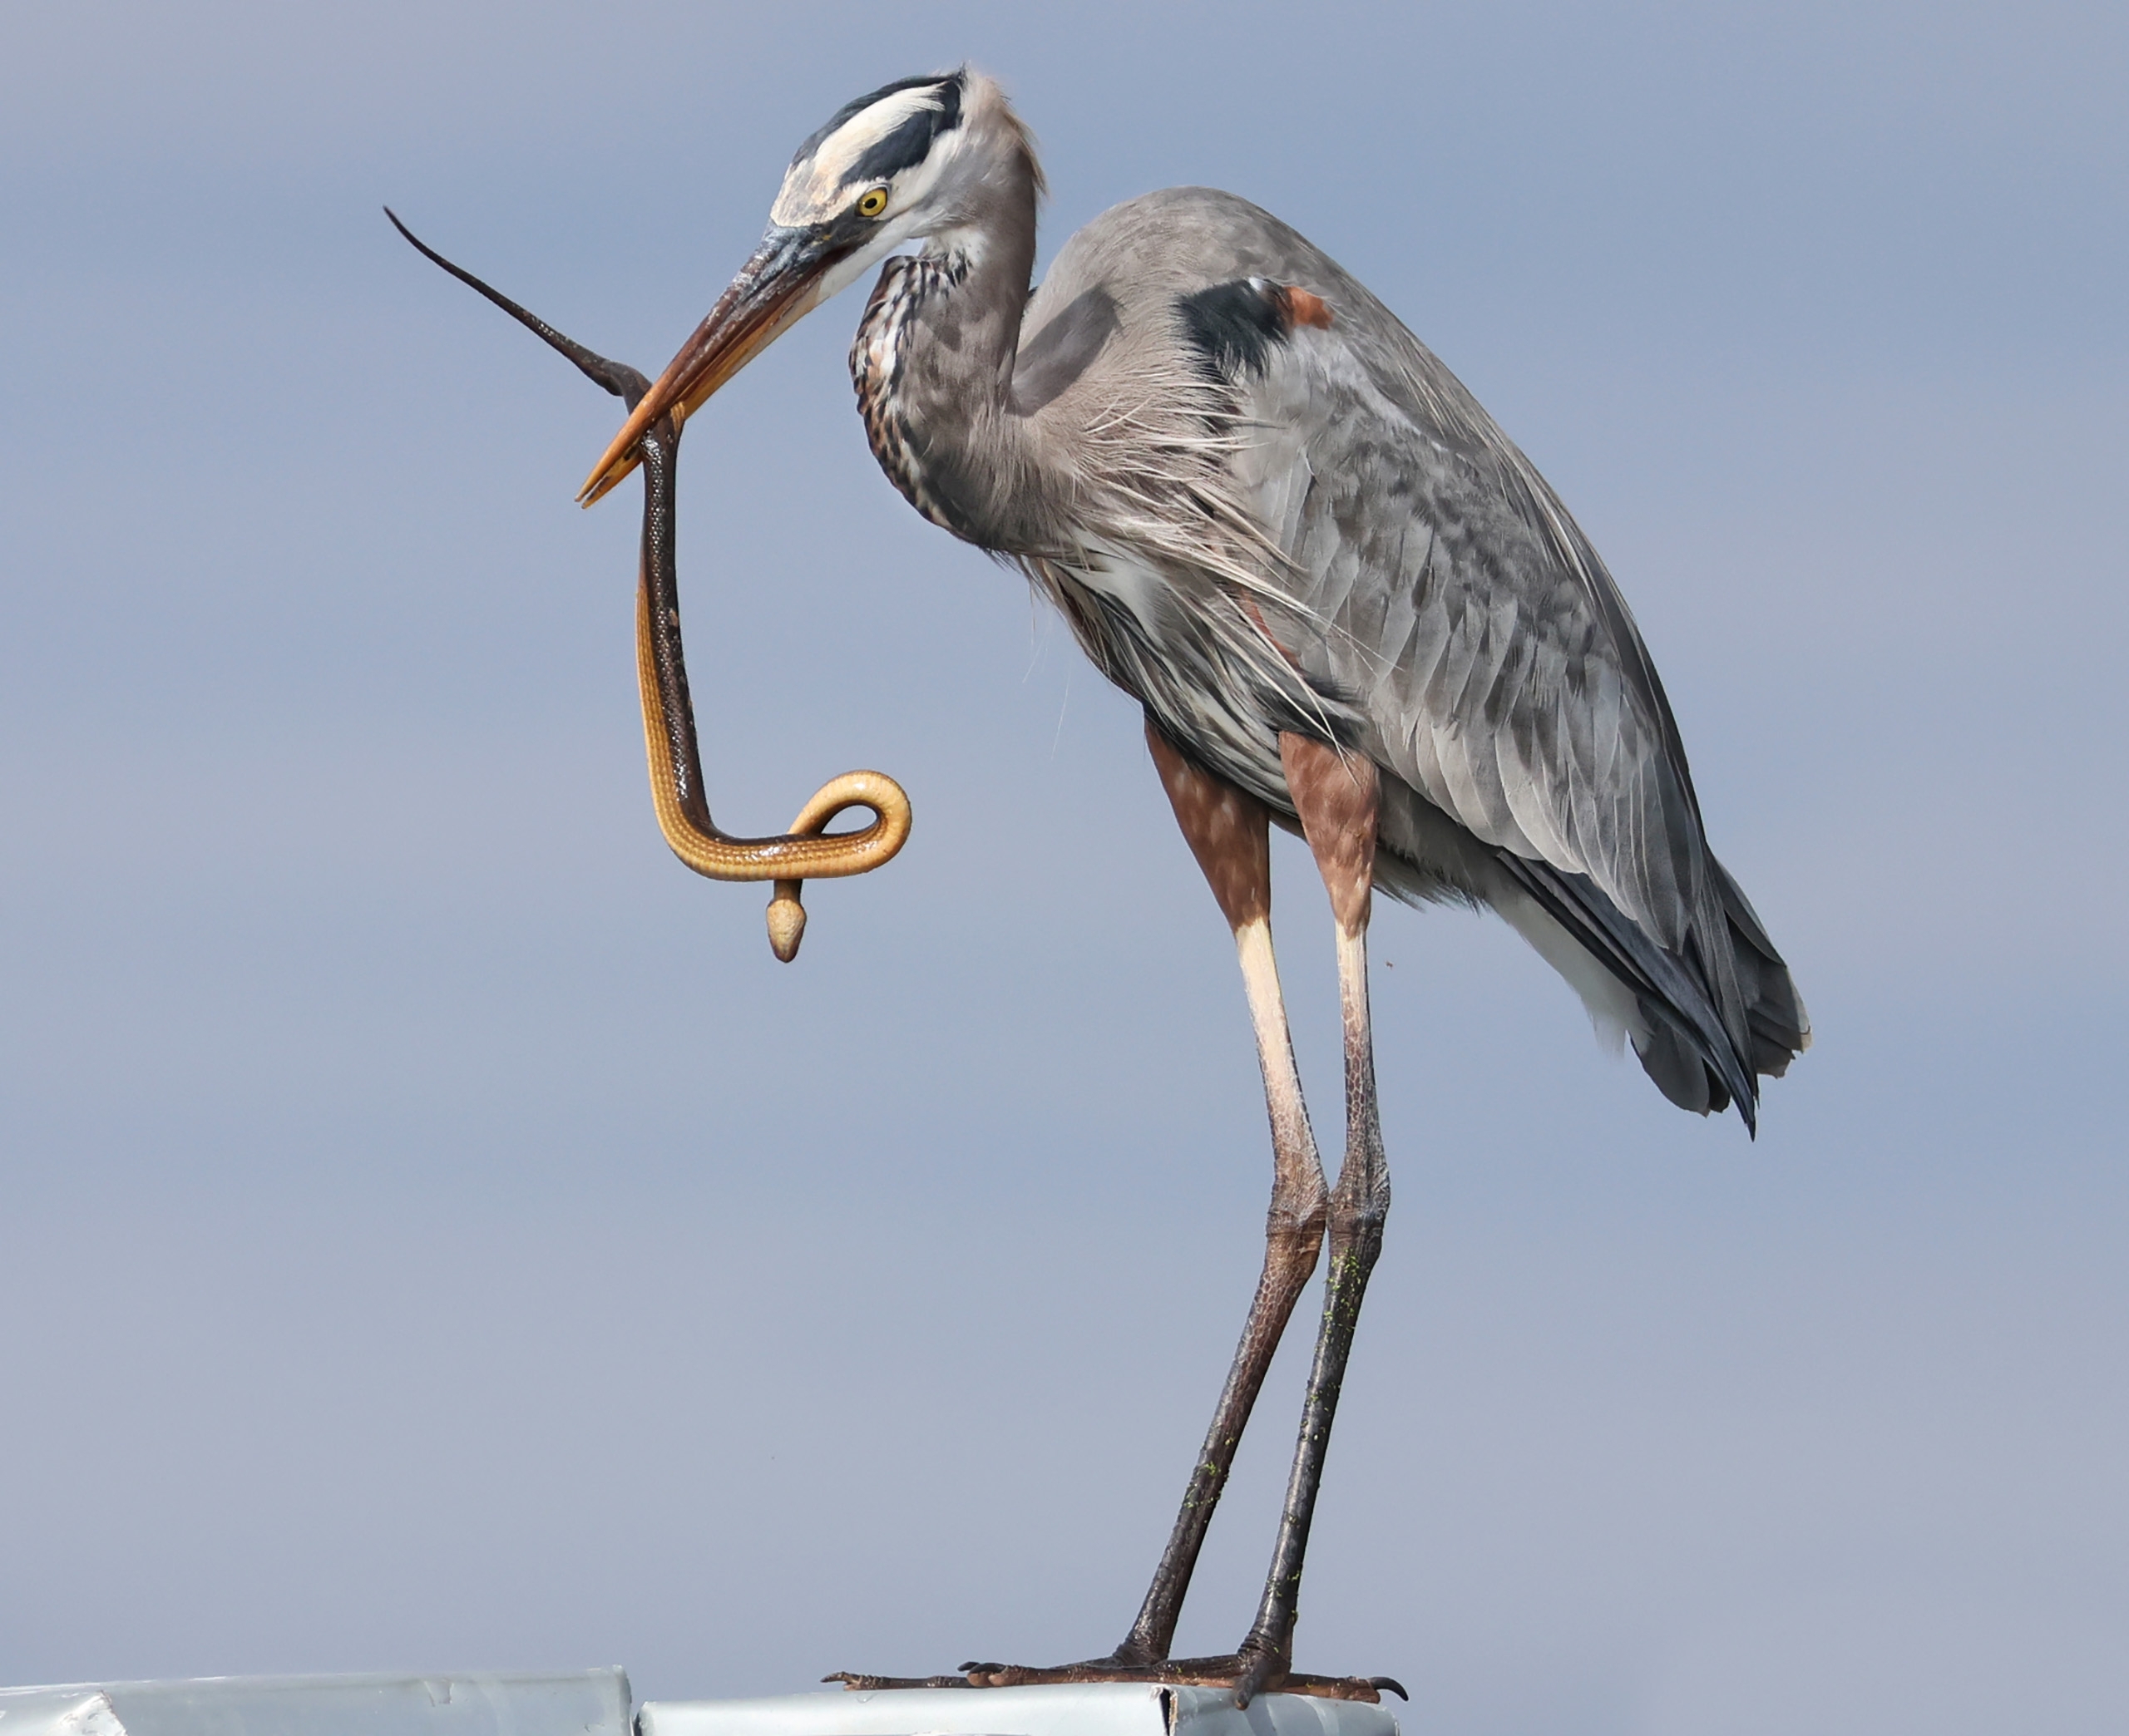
(1246, 1673)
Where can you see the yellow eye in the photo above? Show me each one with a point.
(873, 203)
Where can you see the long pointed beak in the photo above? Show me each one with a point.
(774, 289)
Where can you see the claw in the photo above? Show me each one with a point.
(1264, 1671)
(1389, 1685)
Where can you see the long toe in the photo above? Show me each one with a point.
(1246, 1675)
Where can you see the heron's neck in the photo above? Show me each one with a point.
(933, 366)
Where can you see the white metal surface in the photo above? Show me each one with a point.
(596, 1703)
(576, 1703)
(57, 1712)
(1108, 1709)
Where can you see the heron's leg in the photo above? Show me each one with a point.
(1336, 798)
(1228, 831)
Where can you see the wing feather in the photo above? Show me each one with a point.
(1439, 580)
(1440, 608)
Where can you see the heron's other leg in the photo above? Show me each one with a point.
(1229, 831)
(1335, 795)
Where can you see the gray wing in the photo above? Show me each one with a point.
(1440, 585)
(1444, 605)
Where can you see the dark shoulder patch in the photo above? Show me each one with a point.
(1232, 326)
(1062, 350)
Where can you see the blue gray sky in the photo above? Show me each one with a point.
(436, 1233)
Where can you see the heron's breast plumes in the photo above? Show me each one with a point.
(879, 368)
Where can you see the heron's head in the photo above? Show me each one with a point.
(922, 159)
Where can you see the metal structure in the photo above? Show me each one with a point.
(1350, 606)
(1101, 1708)
(598, 1703)
(485, 1703)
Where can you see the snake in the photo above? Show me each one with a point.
(808, 851)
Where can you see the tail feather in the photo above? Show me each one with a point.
(1774, 1011)
(1666, 1001)
(1670, 1056)
(1683, 1044)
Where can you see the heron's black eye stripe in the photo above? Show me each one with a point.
(1233, 326)
(813, 142)
(909, 143)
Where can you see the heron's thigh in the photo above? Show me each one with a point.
(1337, 796)
(1227, 829)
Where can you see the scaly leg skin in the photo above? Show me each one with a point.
(1337, 797)
(1229, 832)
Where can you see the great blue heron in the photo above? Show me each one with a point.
(1350, 606)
